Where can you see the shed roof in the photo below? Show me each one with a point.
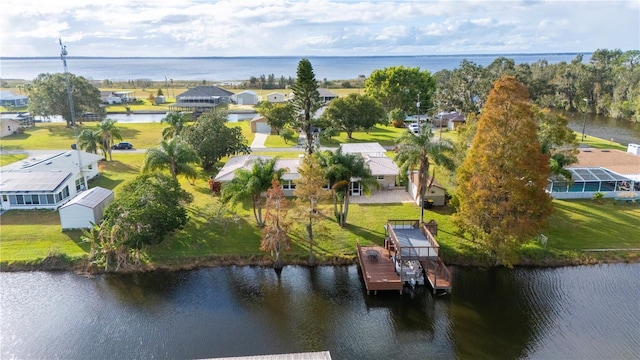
(8, 95)
(90, 198)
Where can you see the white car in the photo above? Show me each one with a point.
(414, 128)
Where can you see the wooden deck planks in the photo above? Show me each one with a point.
(440, 279)
(379, 273)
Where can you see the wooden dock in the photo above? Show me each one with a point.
(437, 274)
(378, 271)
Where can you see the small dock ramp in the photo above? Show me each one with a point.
(378, 270)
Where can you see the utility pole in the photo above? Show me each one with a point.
(63, 57)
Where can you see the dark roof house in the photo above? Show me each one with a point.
(202, 98)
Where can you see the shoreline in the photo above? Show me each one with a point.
(60, 263)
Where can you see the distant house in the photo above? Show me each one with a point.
(109, 97)
(451, 120)
(382, 168)
(275, 97)
(259, 125)
(46, 181)
(9, 99)
(86, 208)
(247, 97)
(8, 127)
(326, 95)
(201, 98)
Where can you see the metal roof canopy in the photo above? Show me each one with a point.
(595, 175)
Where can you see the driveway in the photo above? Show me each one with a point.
(258, 141)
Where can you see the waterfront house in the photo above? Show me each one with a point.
(9, 99)
(607, 171)
(326, 96)
(46, 181)
(382, 168)
(85, 209)
(201, 98)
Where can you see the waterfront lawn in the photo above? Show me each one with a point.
(584, 224)
(29, 236)
(598, 143)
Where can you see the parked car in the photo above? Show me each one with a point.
(122, 146)
(414, 128)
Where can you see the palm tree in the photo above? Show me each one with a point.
(175, 155)
(251, 184)
(417, 150)
(342, 170)
(176, 123)
(90, 141)
(109, 133)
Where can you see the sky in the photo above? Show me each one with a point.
(209, 28)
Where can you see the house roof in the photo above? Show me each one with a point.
(382, 165)
(45, 181)
(205, 92)
(621, 162)
(363, 148)
(246, 161)
(8, 95)
(453, 116)
(259, 118)
(275, 93)
(63, 160)
(90, 198)
(249, 92)
(8, 120)
(326, 93)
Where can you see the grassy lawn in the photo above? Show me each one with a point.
(6, 159)
(27, 236)
(598, 143)
(385, 135)
(276, 141)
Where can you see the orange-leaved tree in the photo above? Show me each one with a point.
(501, 194)
(275, 237)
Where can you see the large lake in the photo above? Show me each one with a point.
(563, 313)
(222, 69)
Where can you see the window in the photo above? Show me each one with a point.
(50, 199)
(90, 166)
(20, 199)
(35, 199)
(380, 177)
(79, 184)
(4, 198)
(288, 185)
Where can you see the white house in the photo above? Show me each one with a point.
(247, 97)
(275, 97)
(8, 127)
(86, 208)
(46, 181)
(382, 167)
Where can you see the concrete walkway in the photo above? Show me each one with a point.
(258, 141)
(387, 196)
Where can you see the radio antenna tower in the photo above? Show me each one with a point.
(63, 57)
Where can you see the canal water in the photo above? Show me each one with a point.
(563, 313)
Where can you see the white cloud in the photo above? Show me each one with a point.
(315, 27)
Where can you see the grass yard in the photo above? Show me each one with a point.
(385, 135)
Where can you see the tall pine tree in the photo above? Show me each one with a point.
(306, 100)
(501, 183)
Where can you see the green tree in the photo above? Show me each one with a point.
(109, 132)
(306, 101)
(556, 140)
(397, 117)
(48, 96)
(400, 87)
(501, 184)
(160, 93)
(212, 139)
(251, 184)
(174, 155)
(418, 151)
(177, 122)
(343, 172)
(277, 115)
(275, 234)
(310, 192)
(354, 112)
(146, 210)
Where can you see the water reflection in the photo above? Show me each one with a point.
(582, 312)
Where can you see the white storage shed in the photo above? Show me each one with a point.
(86, 208)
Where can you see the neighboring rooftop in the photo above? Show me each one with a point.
(623, 163)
